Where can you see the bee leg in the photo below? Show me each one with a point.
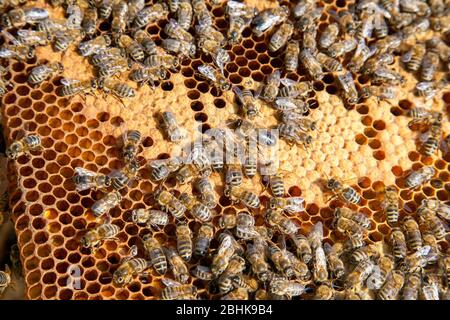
(332, 197)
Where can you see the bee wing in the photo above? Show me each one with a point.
(11, 38)
(424, 136)
(207, 71)
(284, 104)
(422, 252)
(133, 251)
(68, 82)
(287, 82)
(318, 229)
(226, 244)
(294, 204)
(84, 172)
(170, 283)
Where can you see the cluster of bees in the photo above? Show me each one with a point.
(238, 259)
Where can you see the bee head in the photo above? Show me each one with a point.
(85, 243)
(333, 184)
(30, 53)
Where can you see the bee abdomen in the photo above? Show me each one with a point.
(350, 195)
(158, 260)
(430, 146)
(392, 215)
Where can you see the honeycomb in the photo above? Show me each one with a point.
(369, 142)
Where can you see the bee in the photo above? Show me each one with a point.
(438, 46)
(106, 55)
(224, 253)
(235, 267)
(185, 14)
(24, 145)
(429, 89)
(361, 55)
(293, 89)
(432, 223)
(177, 264)
(205, 189)
(349, 227)
(289, 288)
(202, 273)
(290, 205)
(348, 88)
(398, 243)
(150, 14)
(16, 51)
(94, 237)
(303, 248)
(197, 209)
(384, 75)
(215, 77)
(308, 21)
(177, 291)
(129, 268)
(175, 31)
(375, 61)
(162, 168)
(204, 236)
(33, 38)
(301, 269)
(329, 35)
(364, 253)
(329, 63)
(238, 194)
(245, 282)
(155, 253)
(412, 233)
(143, 75)
(205, 32)
(309, 39)
(109, 201)
(291, 55)
(361, 219)
(430, 240)
(324, 292)
(184, 241)
(346, 22)
(212, 48)
(5, 279)
(392, 286)
(131, 143)
(201, 12)
(132, 47)
(72, 87)
(170, 203)
(89, 23)
(413, 58)
(344, 192)
(431, 144)
(237, 26)
(423, 116)
(359, 274)
(269, 18)
(19, 17)
(228, 221)
(421, 176)
(236, 294)
(292, 134)
(172, 130)
(152, 218)
(281, 36)
(412, 287)
(85, 179)
(146, 42)
(119, 17)
(430, 63)
(431, 287)
(335, 264)
(276, 184)
(311, 64)
(391, 203)
(303, 7)
(91, 47)
(43, 72)
(173, 5)
(280, 260)
(162, 61)
(342, 47)
(291, 108)
(256, 258)
(248, 101)
(245, 226)
(381, 92)
(437, 207)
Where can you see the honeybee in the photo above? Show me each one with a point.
(248, 102)
(431, 144)
(150, 14)
(33, 37)
(291, 108)
(106, 55)
(238, 194)
(197, 209)
(281, 260)
(281, 36)
(308, 21)
(91, 47)
(204, 236)
(119, 17)
(391, 204)
(155, 253)
(431, 287)
(311, 64)
(412, 233)
(381, 92)
(205, 189)
(152, 218)
(361, 219)
(31, 142)
(169, 203)
(364, 253)
(3, 86)
(245, 226)
(269, 18)
(335, 264)
(344, 192)
(132, 47)
(303, 7)
(423, 116)
(236, 294)
(184, 241)
(430, 240)
(292, 134)
(429, 65)
(432, 223)
(329, 35)
(398, 243)
(289, 288)
(5, 279)
(180, 48)
(19, 17)
(362, 53)
(245, 282)
(214, 77)
(359, 274)
(202, 273)
(349, 227)
(256, 258)
(375, 61)
(412, 287)
(346, 22)
(177, 291)
(419, 177)
(94, 238)
(163, 167)
(89, 23)
(383, 75)
(294, 89)
(17, 50)
(329, 63)
(43, 72)
(324, 292)
(438, 207)
(348, 88)
(342, 47)
(72, 87)
(392, 286)
(303, 248)
(172, 130)
(109, 201)
(177, 264)
(413, 58)
(240, 16)
(85, 179)
(129, 268)
(285, 225)
(201, 12)
(146, 42)
(143, 75)
(290, 205)
(291, 55)
(184, 14)
(224, 253)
